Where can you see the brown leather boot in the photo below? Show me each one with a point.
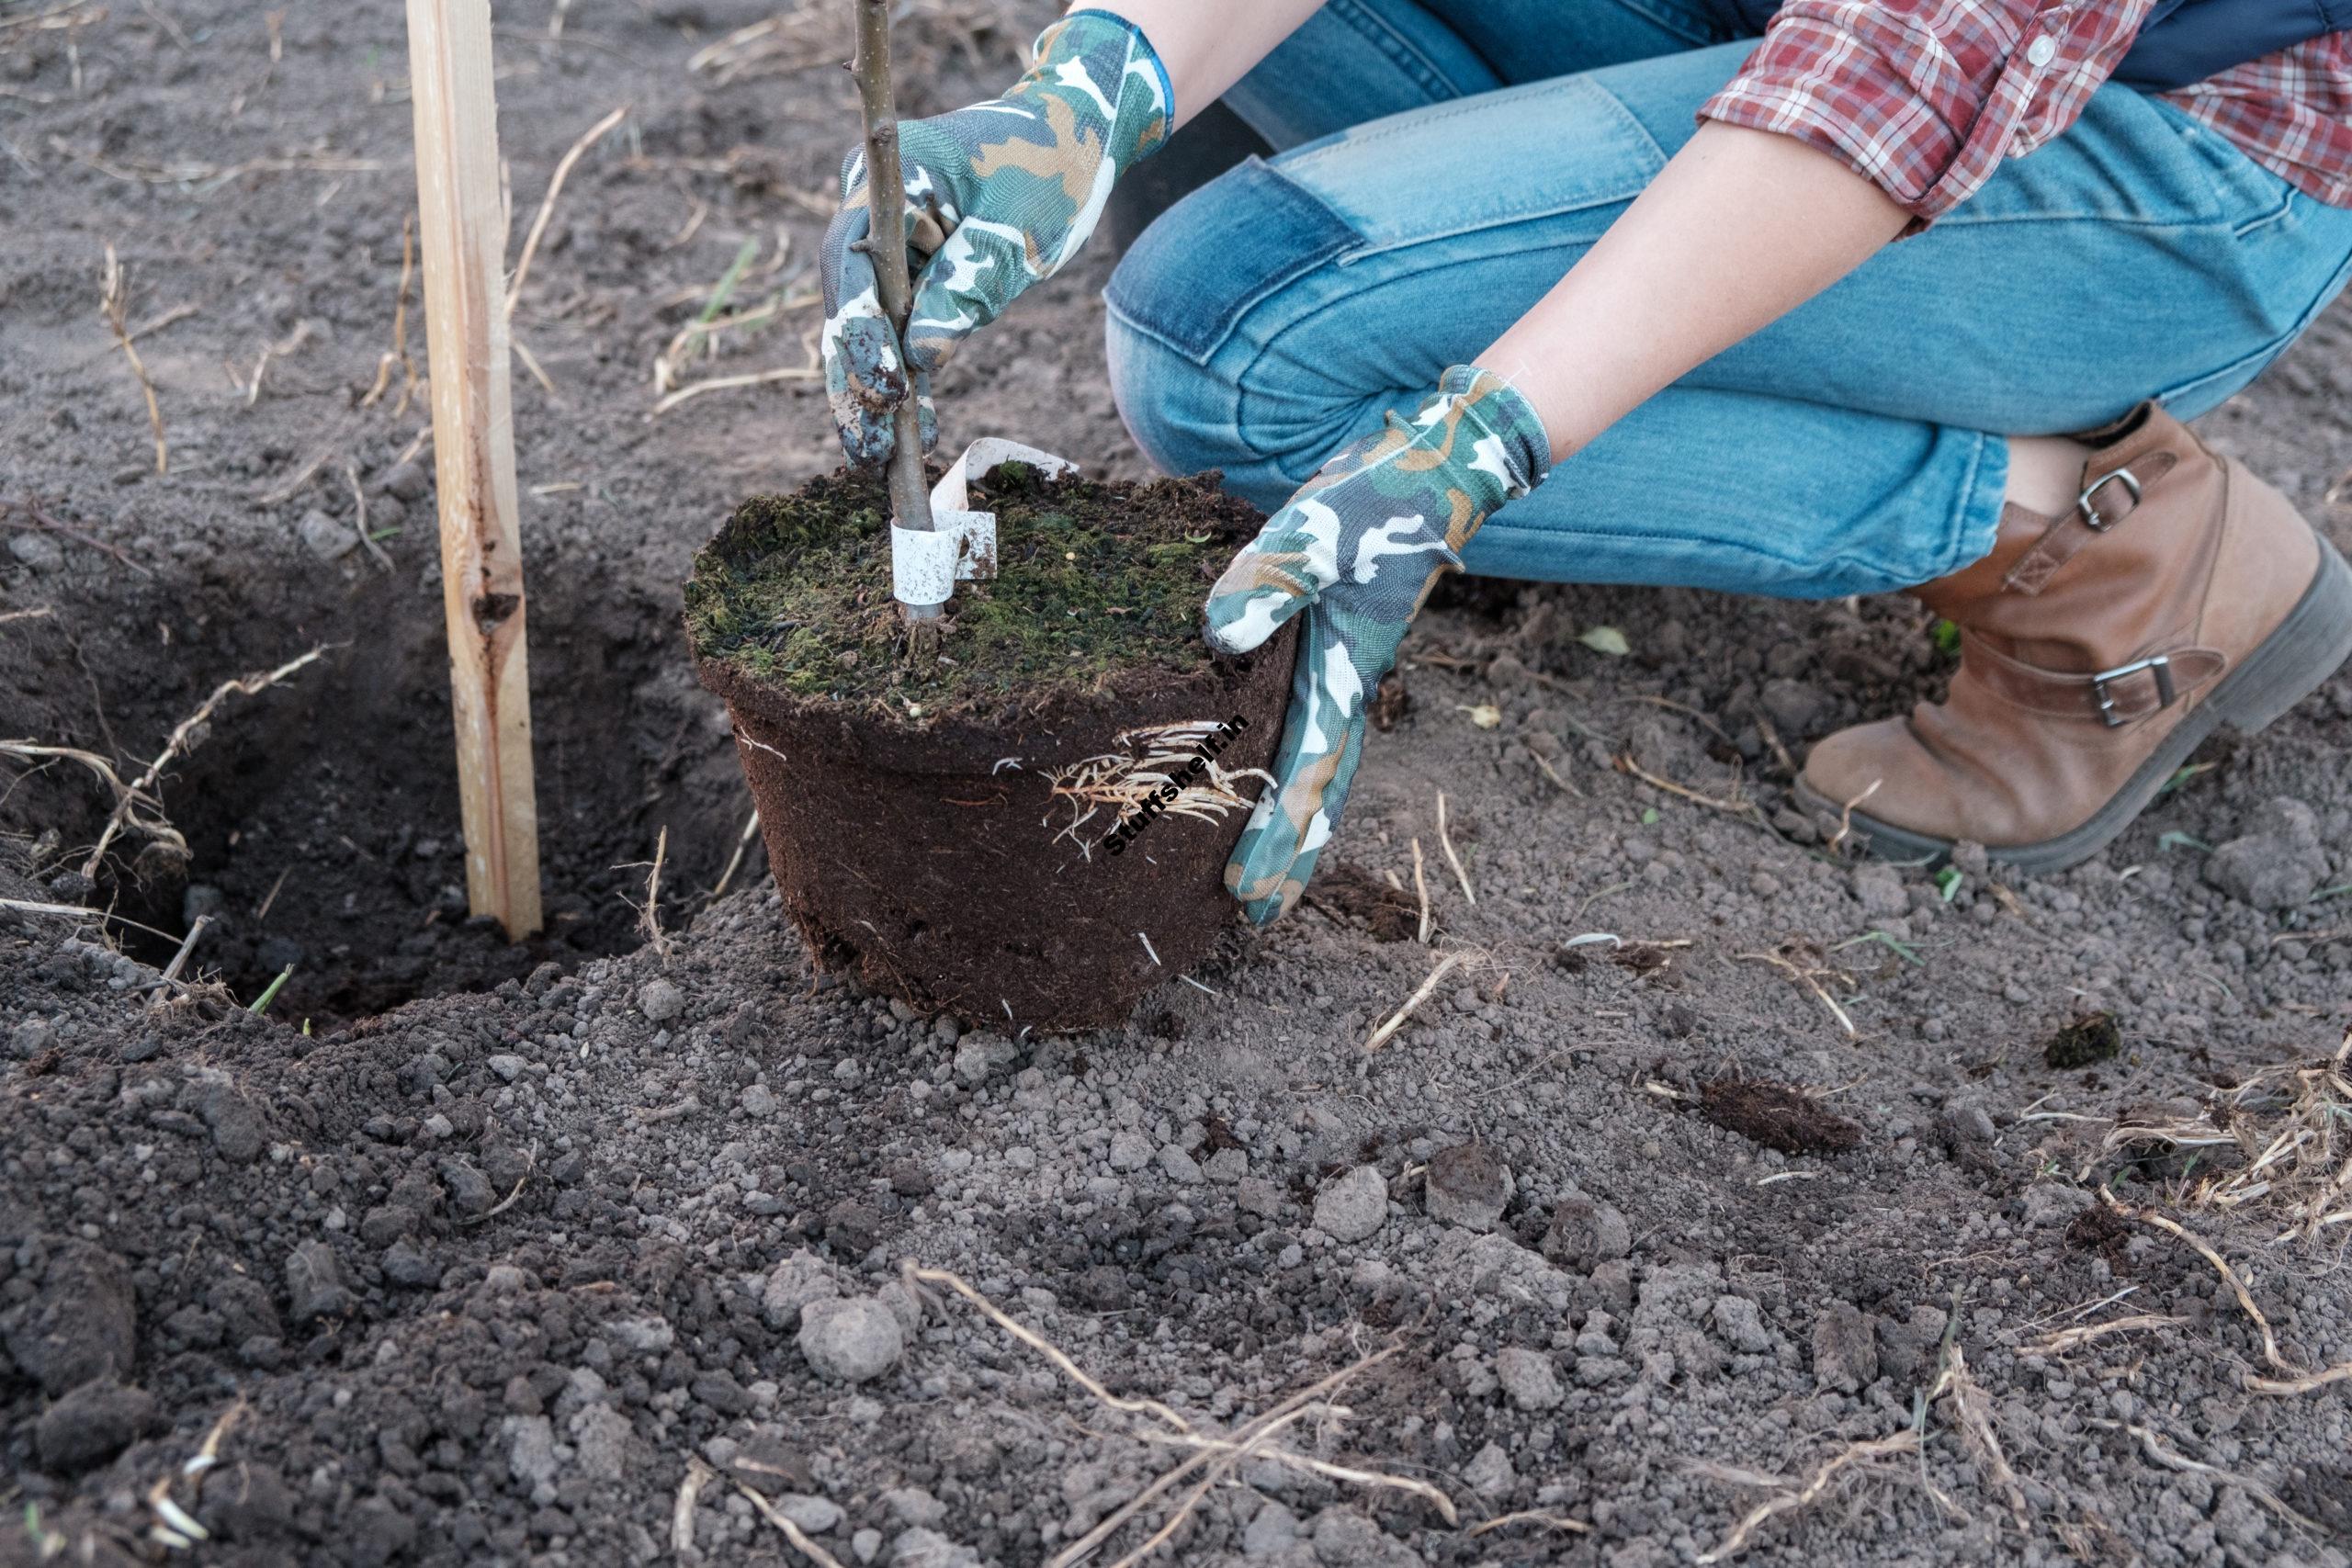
(2097, 650)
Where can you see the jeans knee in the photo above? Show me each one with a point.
(1190, 418)
(1177, 412)
(1206, 366)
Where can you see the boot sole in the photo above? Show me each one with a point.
(2289, 665)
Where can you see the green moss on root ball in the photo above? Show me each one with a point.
(1093, 578)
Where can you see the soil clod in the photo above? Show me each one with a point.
(1778, 1117)
(1388, 913)
(2080, 1041)
(1466, 1185)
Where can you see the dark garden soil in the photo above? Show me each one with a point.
(589, 1252)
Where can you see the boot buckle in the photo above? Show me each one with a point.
(2159, 665)
(2086, 503)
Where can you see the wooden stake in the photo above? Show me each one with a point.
(463, 229)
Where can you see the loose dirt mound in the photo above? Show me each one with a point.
(541, 1265)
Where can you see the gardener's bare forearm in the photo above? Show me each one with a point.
(1738, 229)
(1208, 45)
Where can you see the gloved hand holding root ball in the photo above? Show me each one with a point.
(1651, 253)
(1358, 549)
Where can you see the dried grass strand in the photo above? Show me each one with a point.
(2153, 1447)
(1874, 1448)
(790, 1531)
(1746, 811)
(359, 518)
(1421, 891)
(594, 134)
(180, 741)
(2270, 1351)
(915, 1273)
(1241, 1438)
(735, 861)
(1369, 1478)
(2063, 1340)
(398, 354)
(1445, 965)
(682, 1511)
(114, 303)
(1222, 1462)
(1533, 1517)
(1446, 843)
(1971, 1409)
(1808, 977)
(725, 383)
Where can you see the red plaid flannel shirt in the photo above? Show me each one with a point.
(1926, 98)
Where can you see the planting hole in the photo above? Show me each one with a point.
(322, 817)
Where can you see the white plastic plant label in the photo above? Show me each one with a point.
(961, 546)
(923, 564)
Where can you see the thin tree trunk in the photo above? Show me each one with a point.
(886, 246)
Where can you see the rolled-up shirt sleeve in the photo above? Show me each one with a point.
(1926, 98)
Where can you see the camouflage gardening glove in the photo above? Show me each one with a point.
(1359, 548)
(999, 197)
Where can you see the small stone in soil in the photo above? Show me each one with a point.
(852, 1229)
(1130, 1150)
(1489, 1472)
(314, 1284)
(851, 1340)
(2049, 1204)
(1529, 1378)
(1584, 1233)
(324, 537)
(407, 480)
(82, 1321)
(817, 1515)
(981, 1057)
(1354, 1206)
(1256, 1195)
(1880, 891)
(2278, 863)
(36, 551)
(1738, 1320)
(642, 1335)
(660, 1001)
(237, 1129)
(405, 1263)
(794, 1283)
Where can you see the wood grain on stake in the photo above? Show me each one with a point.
(464, 245)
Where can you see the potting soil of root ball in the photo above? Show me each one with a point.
(1093, 578)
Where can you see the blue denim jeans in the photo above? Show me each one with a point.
(1444, 162)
